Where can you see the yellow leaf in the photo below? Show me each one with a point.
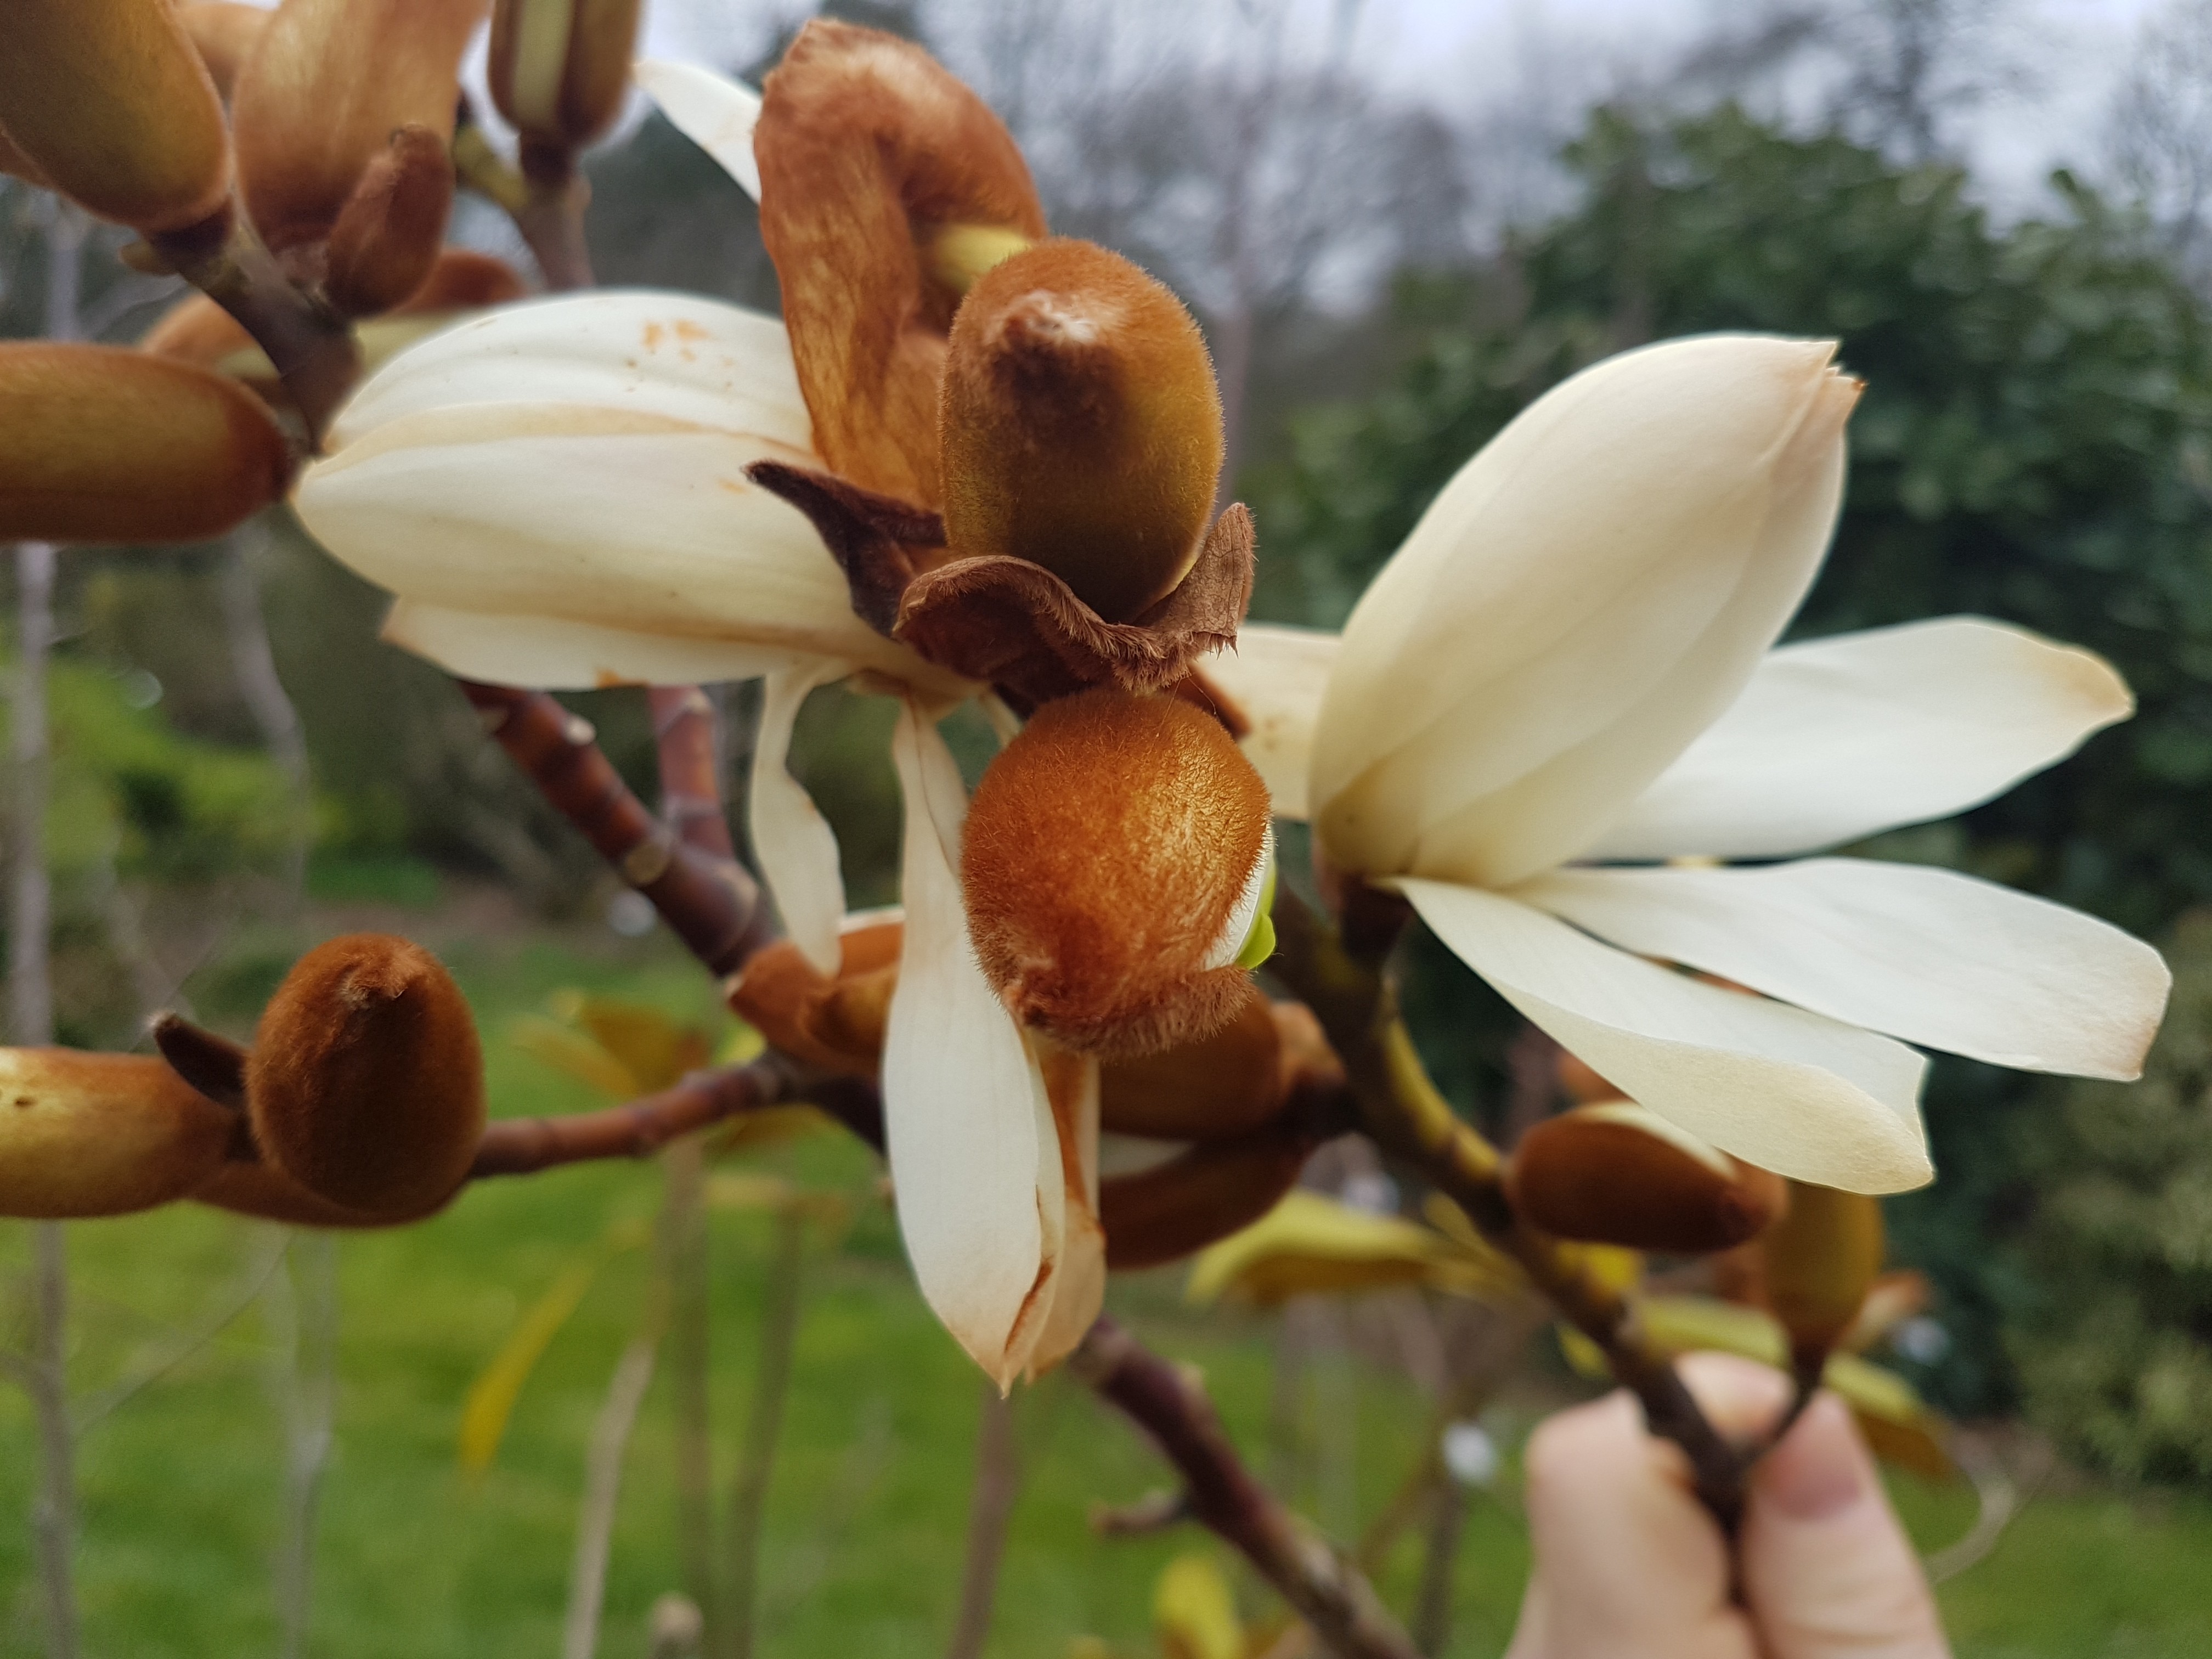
(743, 1043)
(746, 1189)
(654, 1048)
(1312, 1245)
(491, 1397)
(754, 1132)
(573, 1054)
(1195, 1612)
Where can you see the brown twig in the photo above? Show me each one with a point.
(524, 1146)
(1321, 1586)
(998, 1483)
(763, 1423)
(550, 216)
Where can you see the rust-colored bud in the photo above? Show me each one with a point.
(1218, 1087)
(108, 100)
(1173, 1209)
(885, 184)
(328, 84)
(224, 33)
(106, 444)
(1081, 428)
(84, 1134)
(1613, 1173)
(365, 1083)
(386, 242)
(1820, 1261)
(560, 69)
(462, 280)
(196, 330)
(16, 165)
(1118, 867)
(835, 1023)
(264, 1191)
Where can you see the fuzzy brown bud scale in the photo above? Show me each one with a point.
(1613, 1173)
(366, 1082)
(1107, 850)
(387, 235)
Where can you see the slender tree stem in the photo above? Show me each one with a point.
(254, 666)
(684, 1249)
(763, 1423)
(550, 216)
(603, 1466)
(303, 1314)
(998, 1483)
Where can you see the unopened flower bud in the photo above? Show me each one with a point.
(1081, 426)
(1820, 1261)
(266, 1191)
(1214, 1089)
(328, 84)
(1218, 1187)
(365, 1083)
(560, 69)
(105, 444)
(85, 1134)
(1613, 1173)
(1118, 866)
(386, 239)
(224, 33)
(108, 100)
(835, 1024)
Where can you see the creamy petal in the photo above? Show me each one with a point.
(714, 112)
(554, 655)
(1589, 594)
(1078, 1288)
(1788, 1091)
(1835, 738)
(796, 848)
(966, 1119)
(1928, 955)
(1276, 676)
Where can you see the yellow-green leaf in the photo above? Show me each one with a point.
(656, 1050)
(1195, 1611)
(573, 1054)
(1312, 1245)
(491, 1397)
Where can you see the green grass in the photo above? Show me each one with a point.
(180, 1486)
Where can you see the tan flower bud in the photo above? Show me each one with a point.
(1820, 1261)
(105, 444)
(224, 33)
(1613, 1173)
(328, 84)
(1081, 428)
(560, 69)
(1173, 1209)
(365, 1083)
(108, 100)
(1116, 865)
(84, 1134)
(1214, 1089)
(386, 242)
(883, 182)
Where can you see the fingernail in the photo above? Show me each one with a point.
(1818, 1471)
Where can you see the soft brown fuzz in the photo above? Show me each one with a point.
(1611, 1183)
(1166, 1212)
(1215, 1089)
(386, 239)
(867, 148)
(1104, 850)
(366, 1082)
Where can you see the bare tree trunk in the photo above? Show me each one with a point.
(255, 666)
(997, 1482)
(603, 1463)
(757, 1458)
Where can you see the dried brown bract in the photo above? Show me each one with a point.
(386, 239)
(835, 1023)
(224, 33)
(1223, 1085)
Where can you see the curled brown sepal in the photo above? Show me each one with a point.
(879, 542)
(835, 1025)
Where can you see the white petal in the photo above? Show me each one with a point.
(1835, 738)
(964, 1100)
(1928, 955)
(796, 848)
(1589, 594)
(1276, 676)
(1786, 1090)
(553, 654)
(1079, 1279)
(714, 112)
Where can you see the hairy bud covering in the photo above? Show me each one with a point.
(869, 153)
(365, 1083)
(560, 69)
(838, 1023)
(84, 1134)
(1081, 428)
(224, 33)
(1221, 1086)
(1819, 1261)
(108, 100)
(328, 84)
(1173, 1209)
(105, 444)
(386, 239)
(1115, 860)
(1613, 1173)
(266, 1191)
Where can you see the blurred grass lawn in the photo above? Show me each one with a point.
(867, 1513)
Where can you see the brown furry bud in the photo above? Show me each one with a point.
(1214, 1089)
(1173, 1209)
(224, 33)
(84, 1134)
(1115, 860)
(1614, 1173)
(105, 444)
(386, 240)
(328, 84)
(263, 1190)
(365, 1084)
(1081, 428)
(108, 100)
(462, 280)
(560, 69)
(868, 152)
(1820, 1261)
(16, 165)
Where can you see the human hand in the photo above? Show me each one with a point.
(1630, 1566)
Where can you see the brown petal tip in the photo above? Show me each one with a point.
(1613, 1173)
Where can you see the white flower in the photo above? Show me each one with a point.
(1567, 664)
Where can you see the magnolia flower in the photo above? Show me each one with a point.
(1555, 711)
(563, 494)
